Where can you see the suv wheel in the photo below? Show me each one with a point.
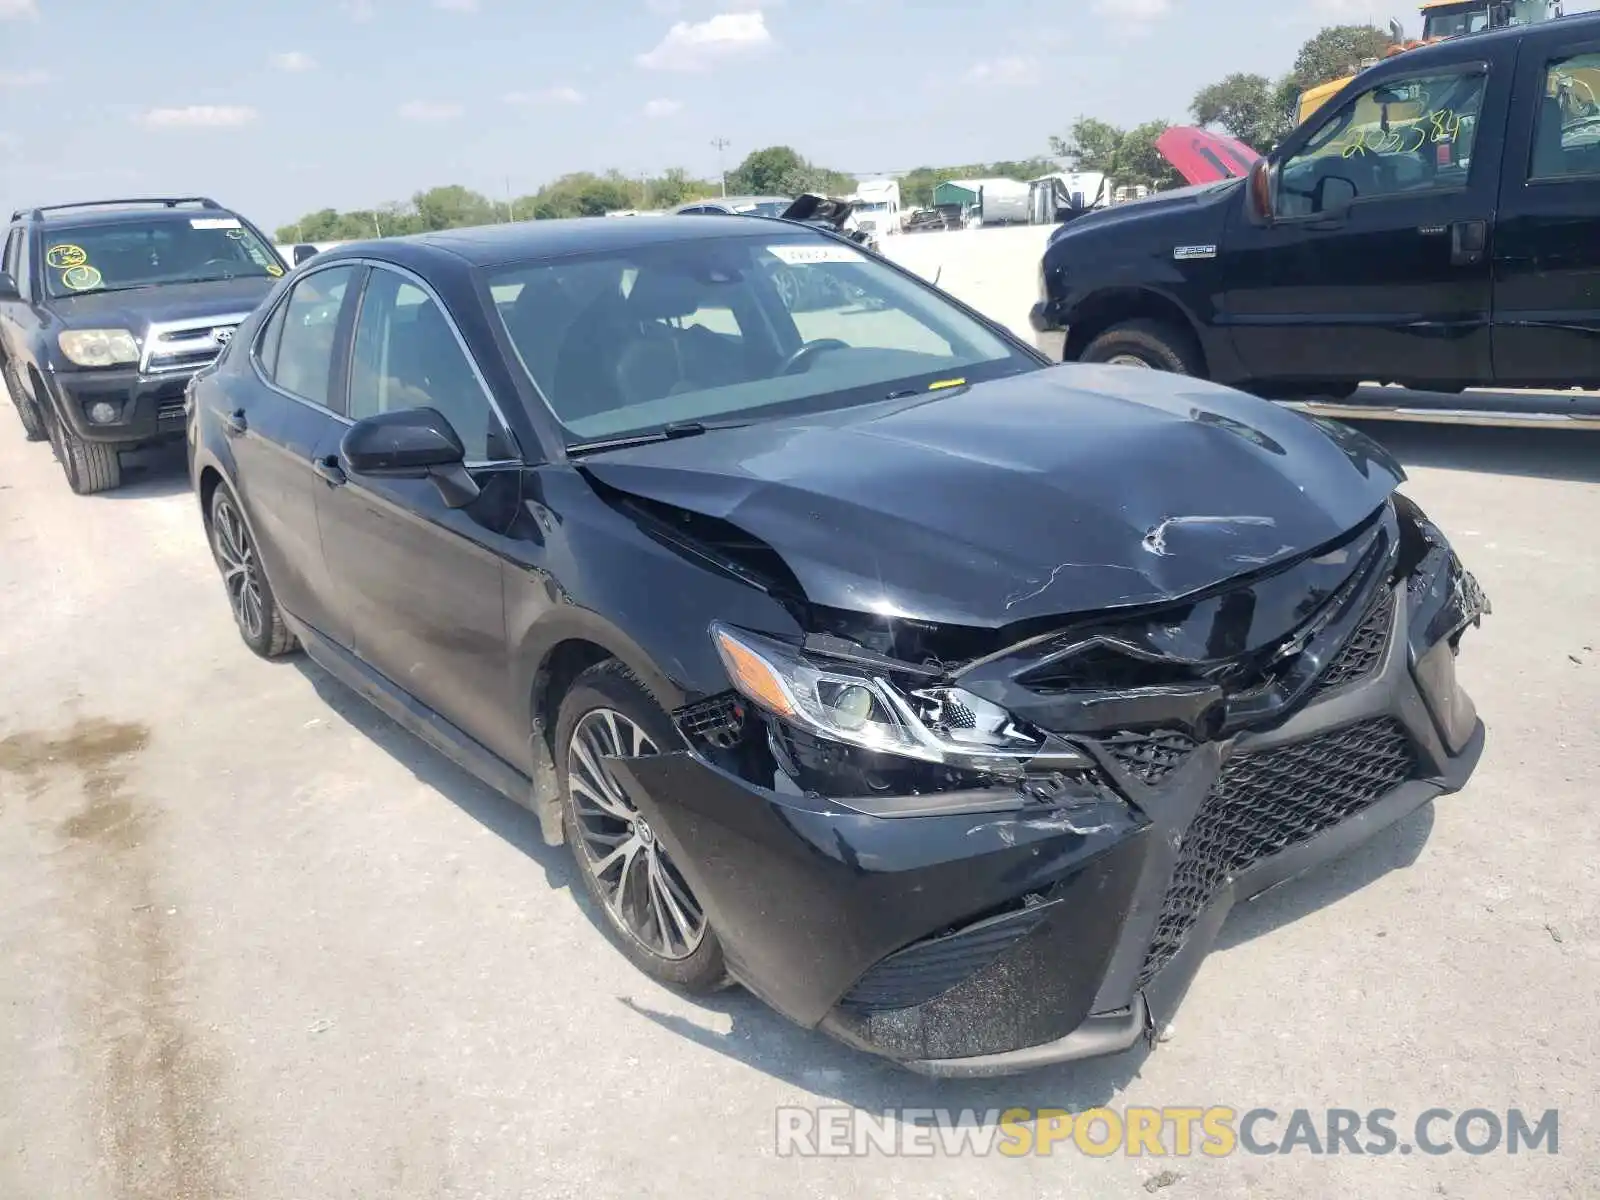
(650, 911)
(32, 425)
(255, 609)
(90, 466)
(1154, 345)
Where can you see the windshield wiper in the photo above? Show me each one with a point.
(667, 433)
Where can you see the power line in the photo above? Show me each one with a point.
(722, 144)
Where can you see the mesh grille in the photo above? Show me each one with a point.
(1264, 803)
(717, 721)
(1150, 757)
(1363, 651)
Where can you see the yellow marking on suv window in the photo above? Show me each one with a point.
(81, 278)
(65, 256)
(945, 383)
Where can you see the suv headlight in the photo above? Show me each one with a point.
(98, 347)
(940, 724)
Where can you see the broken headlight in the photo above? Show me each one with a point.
(937, 724)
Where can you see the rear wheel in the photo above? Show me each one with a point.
(255, 609)
(1153, 345)
(650, 912)
(32, 424)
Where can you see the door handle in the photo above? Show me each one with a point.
(235, 422)
(1469, 240)
(330, 470)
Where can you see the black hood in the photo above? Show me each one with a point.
(1060, 491)
(136, 308)
(1173, 203)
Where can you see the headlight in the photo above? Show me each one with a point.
(98, 347)
(941, 724)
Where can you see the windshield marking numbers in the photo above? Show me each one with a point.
(65, 256)
(802, 256)
(1440, 127)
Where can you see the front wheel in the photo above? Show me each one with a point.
(90, 467)
(650, 912)
(1153, 345)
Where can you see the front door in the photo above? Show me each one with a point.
(1375, 265)
(1547, 256)
(421, 581)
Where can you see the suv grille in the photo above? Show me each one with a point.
(1363, 651)
(1267, 802)
(186, 345)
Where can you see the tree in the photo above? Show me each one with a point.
(1249, 107)
(1123, 156)
(453, 207)
(780, 171)
(1338, 51)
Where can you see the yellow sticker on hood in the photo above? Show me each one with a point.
(945, 383)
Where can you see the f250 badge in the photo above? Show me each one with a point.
(1186, 253)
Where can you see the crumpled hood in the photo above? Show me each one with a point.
(1063, 490)
(135, 309)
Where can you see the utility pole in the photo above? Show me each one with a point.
(511, 208)
(722, 171)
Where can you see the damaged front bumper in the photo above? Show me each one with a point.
(992, 929)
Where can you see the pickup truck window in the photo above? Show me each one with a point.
(1566, 137)
(1407, 135)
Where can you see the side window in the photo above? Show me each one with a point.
(1404, 136)
(310, 321)
(407, 356)
(1566, 134)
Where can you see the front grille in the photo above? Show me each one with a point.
(1150, 757)
(1265, 803)
(930, 968)
(1362, 653)
(187, 345)
(170, 410)
(718, 721)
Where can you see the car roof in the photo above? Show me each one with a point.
(522, 241)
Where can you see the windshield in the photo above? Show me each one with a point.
(625, 343)
(120, 255)
(1454, 23)
(763, 208)
(872, 206)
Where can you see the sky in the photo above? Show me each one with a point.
(351, 103)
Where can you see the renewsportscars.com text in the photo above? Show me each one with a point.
(1170, 1131)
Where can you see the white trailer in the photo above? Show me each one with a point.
(878, 206)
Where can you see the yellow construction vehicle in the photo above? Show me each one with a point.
(1440, 19)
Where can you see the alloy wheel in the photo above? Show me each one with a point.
(240, 571)
(645, 896)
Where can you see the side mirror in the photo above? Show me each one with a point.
(413, 443)
(8, 288)
(1259, 188)
(304, 251)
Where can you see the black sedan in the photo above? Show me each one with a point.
(945, 699)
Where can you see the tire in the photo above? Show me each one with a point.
(606, 701)
(1155, 345)
(90, 467)
(27, 411)
(260, 622)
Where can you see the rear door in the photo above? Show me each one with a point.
(1547, 245)
(275, 428)
(1376, 264)
(420, 580)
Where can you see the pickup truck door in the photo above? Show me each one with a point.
(1547, 243)
(1375, 265)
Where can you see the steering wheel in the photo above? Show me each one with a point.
(801, 358)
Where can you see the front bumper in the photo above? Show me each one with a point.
(1004, 934)
(1049, 335)
(150, 405)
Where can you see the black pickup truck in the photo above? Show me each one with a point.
(107, 309)
(1436, 225)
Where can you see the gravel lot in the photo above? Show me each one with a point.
(258, 942)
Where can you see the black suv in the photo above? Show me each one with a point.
(107, 309)
(1436, 224)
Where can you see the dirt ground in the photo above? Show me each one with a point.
(257, 942)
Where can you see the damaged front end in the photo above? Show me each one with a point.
(975, 851)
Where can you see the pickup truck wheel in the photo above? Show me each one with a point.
(32, 426)
(1154, 345)
(90, 466)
